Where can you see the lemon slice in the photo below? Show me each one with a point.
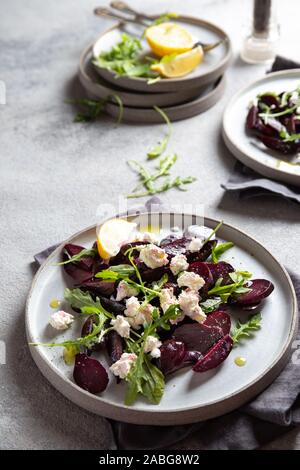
(112, 235)
(181, 64)
(169, 38)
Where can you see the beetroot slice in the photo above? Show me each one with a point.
(203, 253)
(77, 274)
(221, 269)
(197, 336)
(221, 319)
(84, 263)
(114, 346)
(215, 356)
(98, 288)
(260, 289)
(202, 270)
(172, 355)
(89, 374)
(176, 247)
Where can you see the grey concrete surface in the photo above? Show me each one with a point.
(54, 174)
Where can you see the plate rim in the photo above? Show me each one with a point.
(262, 168)
(208, 77)
(175, 416)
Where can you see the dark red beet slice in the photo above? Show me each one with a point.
(219, 318)
(203, 253)
(77, 274)
(279, 145)
(270, 100)
(201, 268)
(252, 118)
(98, 288)
(221, 269)
(150, 275)
(120, 258)
(177, 246)
(260, 289)
(84, 263)
(114, 346)
(87, 329)
(112, 306)
(89, 374)
(215, 356)
(172, 356)
(197, 336)
(166, 241)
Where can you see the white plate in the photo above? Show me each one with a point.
(189, 397)
(213, 66)
(249, 149)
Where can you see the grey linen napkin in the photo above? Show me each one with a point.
(271, 414)
(252, 184)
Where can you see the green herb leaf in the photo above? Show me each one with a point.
(79, 256)
(81, 300)
(160, 148)
(245, 330)
(210, 305)
(219, 249)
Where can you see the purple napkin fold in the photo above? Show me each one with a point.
(251, 184)
(272, 413)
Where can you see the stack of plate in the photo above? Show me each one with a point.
(179, 97)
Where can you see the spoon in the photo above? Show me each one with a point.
(141, 18)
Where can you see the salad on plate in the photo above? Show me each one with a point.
(274, 118)
(153, 305)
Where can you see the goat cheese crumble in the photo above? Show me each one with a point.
(136, 313)
(195, 245)
(178, 264)
(191, 280)
(121, 326)
(152, 345)
(167, 298)
(122, 367)
(125, 290)
(61, 320)
(153, 256)
(189, 304)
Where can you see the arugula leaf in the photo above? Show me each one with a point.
(82, 254)
(237, 287)
(144, 378)
(245, 330)
(82, 300)
(94, 108)
(219, 249)
(210, 305)
(213, 233)
(160, 148)
(124, 59)
(165, 17)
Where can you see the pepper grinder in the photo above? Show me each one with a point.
(260, 46)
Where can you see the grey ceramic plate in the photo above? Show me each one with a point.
(212, 67)
(100, 88)
(189, 397)
(175, 113)
(247, 148)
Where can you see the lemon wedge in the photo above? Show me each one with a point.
(180, 65)
(112, 235)
(169, 38)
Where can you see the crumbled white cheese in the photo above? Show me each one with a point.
(145, 237)
(178, 264)
(125, 290)
(122, 367)
(121, 326)
(61, 320)
(152, 345)
(189, 304)
(136, 313)
(191, 280)
(132, 307)
(294, 98)
(167, 298)
(195, 245)
(153, 256)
